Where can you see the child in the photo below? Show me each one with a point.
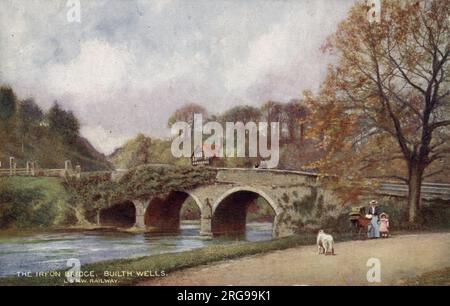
(384, 225)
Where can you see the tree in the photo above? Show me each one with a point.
(290, 115)
(8, 123)
(63, 123)
(387, 99)
(242, 114)
(29, 117)
(142, 154)
(8, 103)
(272, 111)
(295, 114)
(186, 114)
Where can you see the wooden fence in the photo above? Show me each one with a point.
(32, 169)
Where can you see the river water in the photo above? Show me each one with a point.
(46, 252)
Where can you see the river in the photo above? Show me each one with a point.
(47, 252)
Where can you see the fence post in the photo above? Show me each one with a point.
(36, 168)
(67, 165)
(28, 168)
(32, 168)
(11, 165)
(78, 171)
(68, 170)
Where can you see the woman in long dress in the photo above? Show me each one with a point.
(373, 230)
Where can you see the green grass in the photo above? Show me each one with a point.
(51, 186)
(435, 278)
(175, 261)
(48, 204)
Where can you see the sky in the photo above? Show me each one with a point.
(129, 64)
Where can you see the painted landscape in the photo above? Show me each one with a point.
(174, 142)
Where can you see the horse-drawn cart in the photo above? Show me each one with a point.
(358, 220)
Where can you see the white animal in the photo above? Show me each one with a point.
(325, 243)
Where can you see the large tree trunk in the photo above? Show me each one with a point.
(291, 129)
(414, 191)
(302, 134)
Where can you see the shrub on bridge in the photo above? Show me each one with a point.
(144, 182)
(90, 193)
(95, 191)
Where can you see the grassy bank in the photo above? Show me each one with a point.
(171, 261)
(33, 202)
(434, 278)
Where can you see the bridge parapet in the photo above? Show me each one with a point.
(430, 191)
(265, 177)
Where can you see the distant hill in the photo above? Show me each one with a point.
(83, 153)
(53, 152)
(144, 150)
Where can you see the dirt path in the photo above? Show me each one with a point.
(400, 257)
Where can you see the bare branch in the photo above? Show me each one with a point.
(439, 124)
(397, 177)
(437, 145)
(433, 173)
(407, 79)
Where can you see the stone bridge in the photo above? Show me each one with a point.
(296, 198)
(292, 195)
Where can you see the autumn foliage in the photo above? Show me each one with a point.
(382, 112)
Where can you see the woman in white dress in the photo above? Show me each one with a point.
(373, 230)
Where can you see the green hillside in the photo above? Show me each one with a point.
(143, 150)
(34, 202)
(49, 138)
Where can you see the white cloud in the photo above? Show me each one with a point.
(99, 68)
(159, 5)
(266, 53)
(104, 139)
(129, 64)
(160, 70)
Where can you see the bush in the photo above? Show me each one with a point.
(30, 202)
(339, 224)
(398, 215)
(20, 208)
(433, 215)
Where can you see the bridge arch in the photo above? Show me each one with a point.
(258, 191)
(195, 198)
(227, 217)
(121, 214)
(163, 213)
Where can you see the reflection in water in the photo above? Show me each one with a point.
(45, 252)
